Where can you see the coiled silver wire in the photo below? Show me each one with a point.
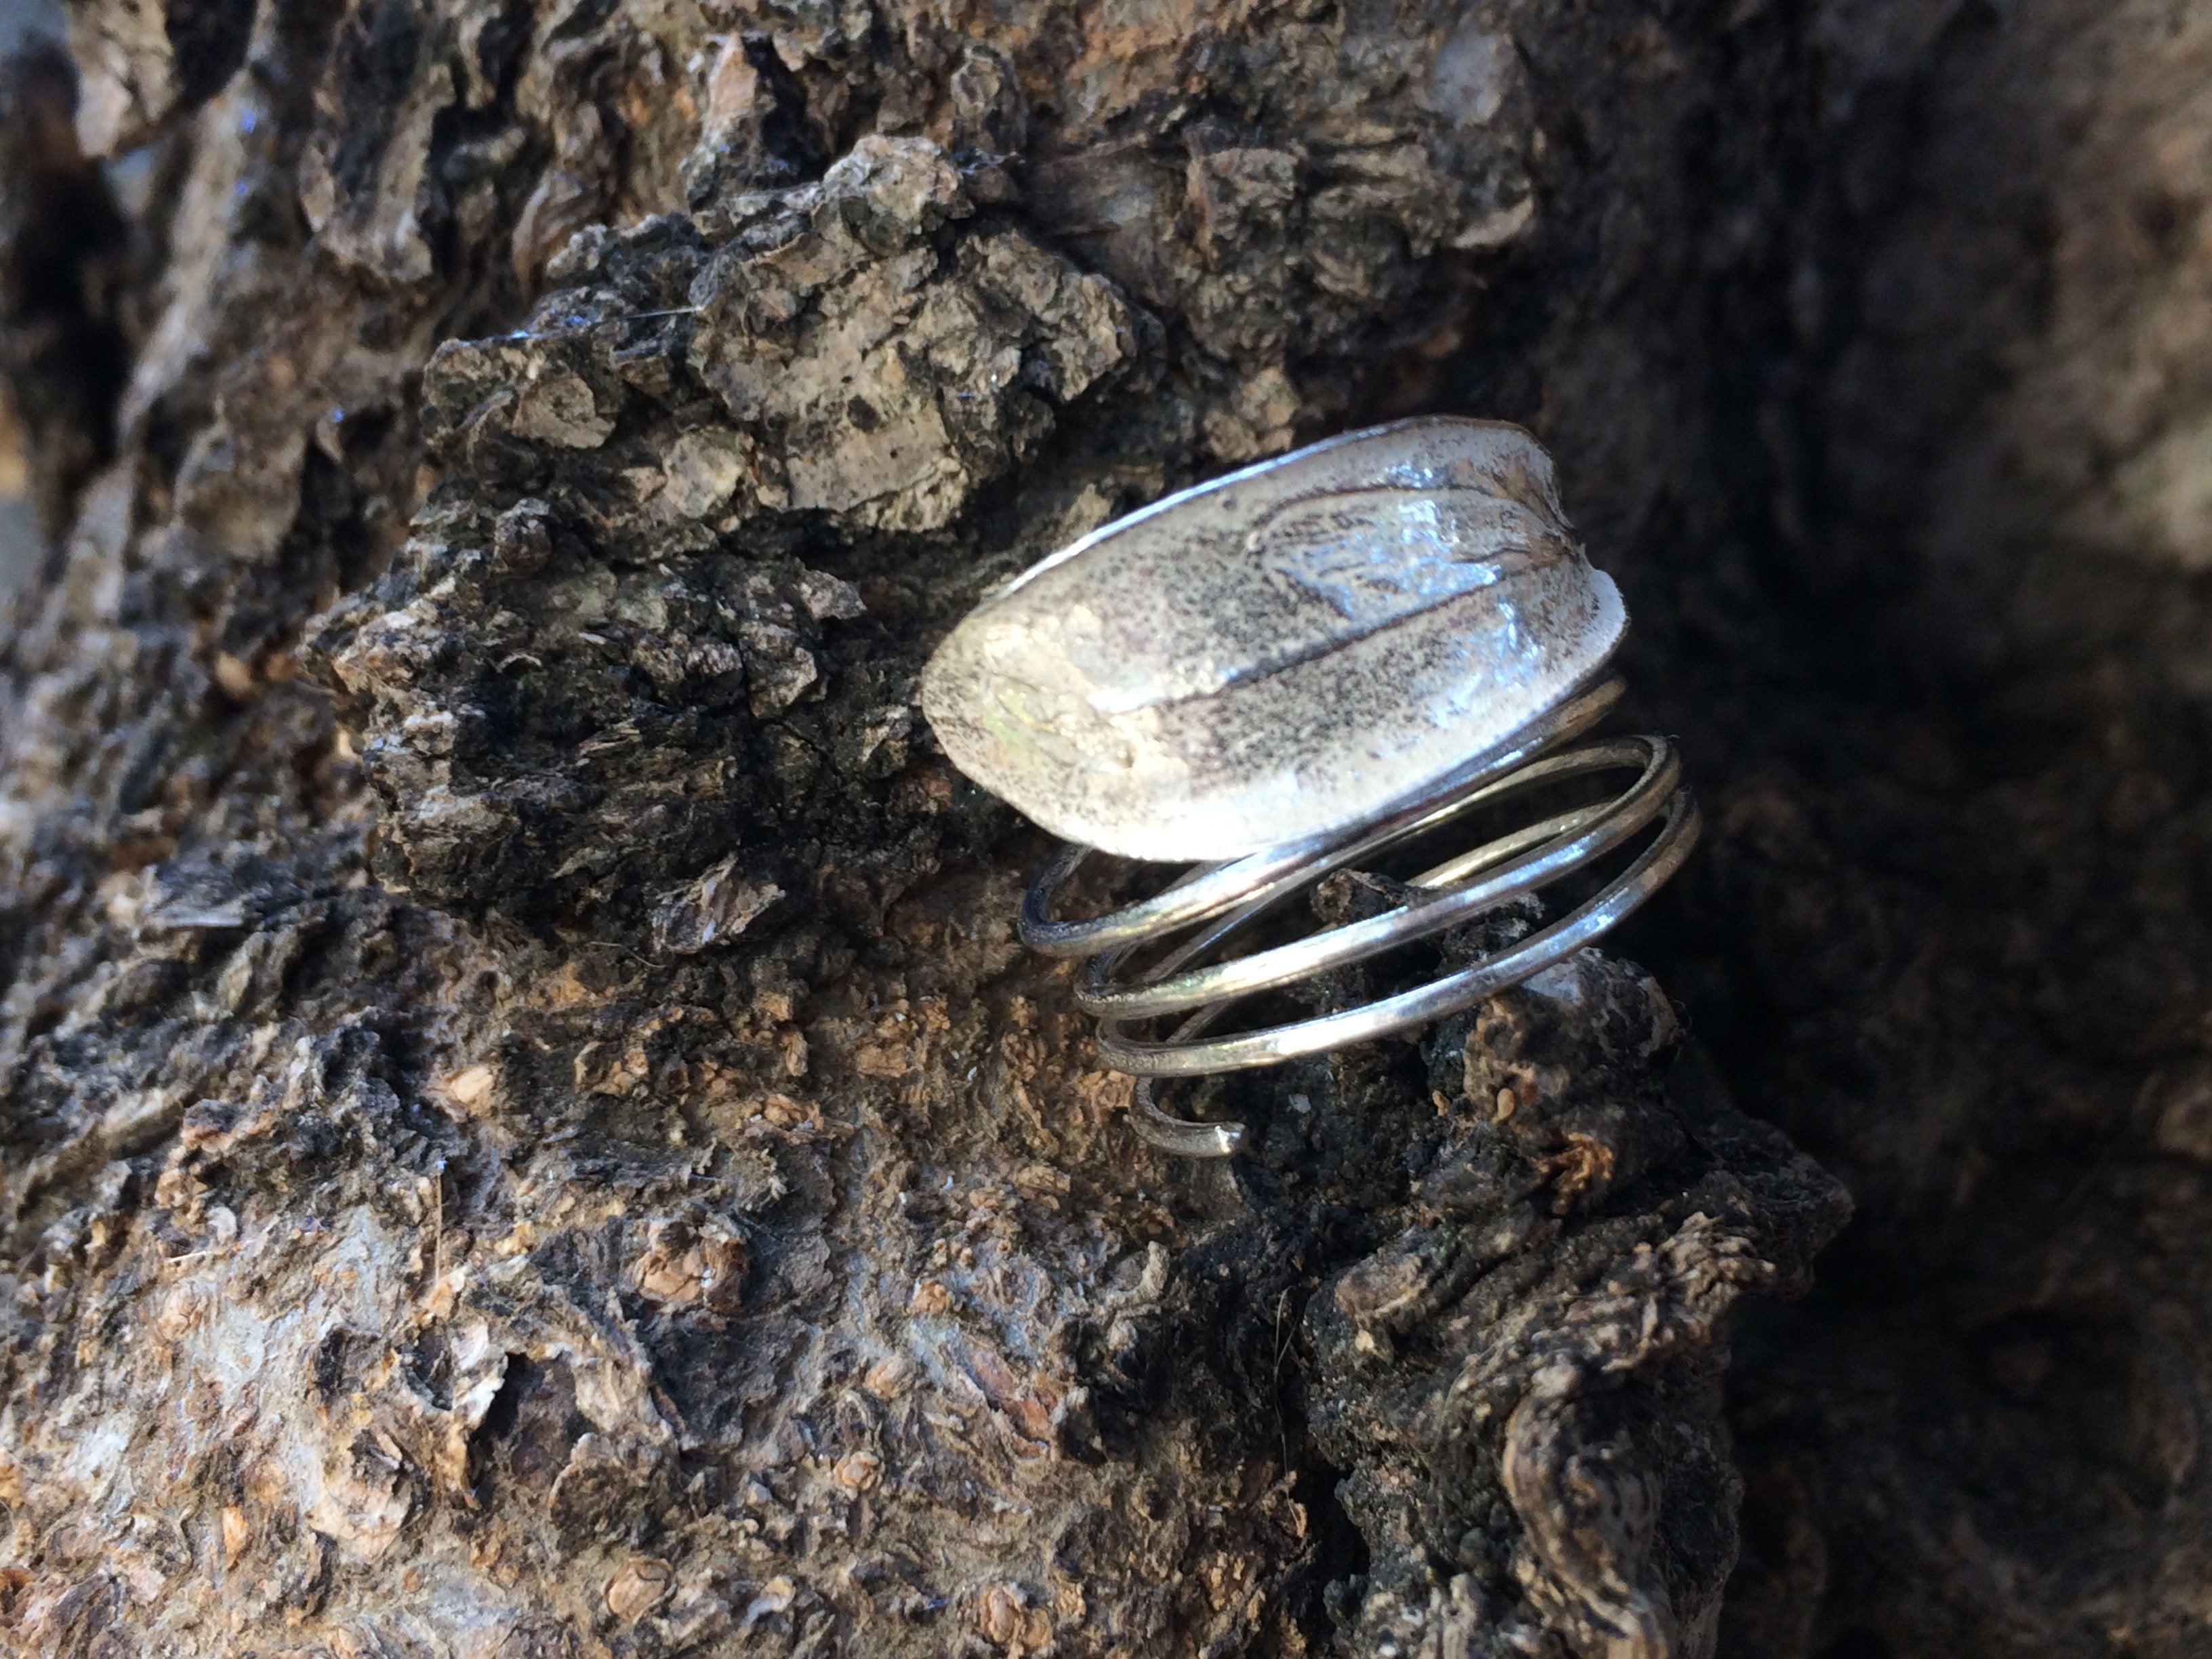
(1196, 916)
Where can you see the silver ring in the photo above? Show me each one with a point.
(1292, 670)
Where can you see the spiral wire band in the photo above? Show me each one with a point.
(1213, 903)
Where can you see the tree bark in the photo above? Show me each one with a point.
(527, 1130)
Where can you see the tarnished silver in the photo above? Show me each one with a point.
(1290, 671)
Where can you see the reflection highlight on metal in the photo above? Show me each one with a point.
(1194, 921)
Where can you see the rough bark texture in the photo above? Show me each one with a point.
(527, 1130)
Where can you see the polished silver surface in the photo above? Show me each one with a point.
(1281, 652)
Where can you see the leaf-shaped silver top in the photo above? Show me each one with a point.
(1283, 650)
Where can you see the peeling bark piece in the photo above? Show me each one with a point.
(891, 384)
(714, 909)
(559, 410)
